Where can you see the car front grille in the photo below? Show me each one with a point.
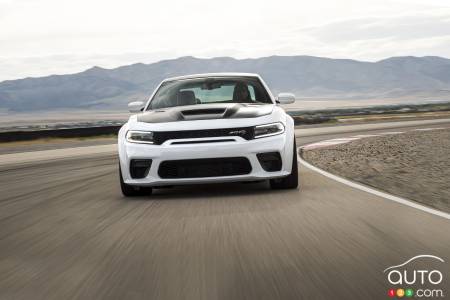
(209, 167)
(159, 137)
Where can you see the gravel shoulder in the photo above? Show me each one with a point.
(414, 165)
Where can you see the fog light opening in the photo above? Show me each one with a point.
(139, 168)
(270, 161)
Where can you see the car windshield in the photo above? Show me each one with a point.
(210, 90)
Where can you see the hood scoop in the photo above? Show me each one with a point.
(206, 111)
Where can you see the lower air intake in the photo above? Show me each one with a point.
(210, 167)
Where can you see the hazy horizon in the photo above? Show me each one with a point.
(196, 57)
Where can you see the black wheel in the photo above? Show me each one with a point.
(132, 190)
(290, 181)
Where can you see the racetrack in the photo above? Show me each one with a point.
(67, 233)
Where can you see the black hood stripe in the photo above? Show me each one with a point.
(205, 112)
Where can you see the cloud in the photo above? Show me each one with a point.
(404, 27)
(375, 38)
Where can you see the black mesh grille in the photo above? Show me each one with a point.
(162, 136)
(210, 167)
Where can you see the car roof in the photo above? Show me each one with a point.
(205, 75)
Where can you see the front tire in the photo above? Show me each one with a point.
(290, 181)
(132, 190)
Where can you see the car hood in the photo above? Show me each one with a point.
(206, 112)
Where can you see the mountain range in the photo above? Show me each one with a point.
(306, 76)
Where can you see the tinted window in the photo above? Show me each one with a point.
(210, 90)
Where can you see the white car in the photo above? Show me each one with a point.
(208, 128)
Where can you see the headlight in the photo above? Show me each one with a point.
(143, 137)
(268, 130)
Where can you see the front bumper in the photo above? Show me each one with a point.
(234, 147)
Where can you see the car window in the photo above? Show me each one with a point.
(252, 92)
(209, 90)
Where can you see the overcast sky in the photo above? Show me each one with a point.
(43, 37)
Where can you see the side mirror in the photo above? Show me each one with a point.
(136, 106)
(285, 98)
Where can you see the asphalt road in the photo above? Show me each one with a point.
(67, 233)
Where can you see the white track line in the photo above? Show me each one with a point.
(428, 129)
(360, 136)
(322, 145)
(369, 190)
(331, 142)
